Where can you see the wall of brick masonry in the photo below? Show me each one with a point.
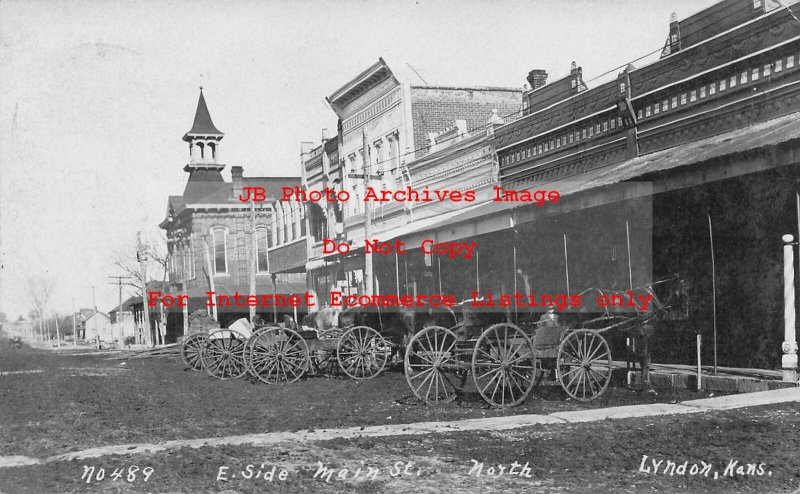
(435, 109)
(238, 241)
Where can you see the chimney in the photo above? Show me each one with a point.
(537, 78)
(236, 174)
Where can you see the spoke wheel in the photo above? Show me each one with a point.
(324, 362)
(584, 364)
(432, 370)
(192, 350)
(278, 355)
(504, 365)
(362, 352)
(223, 354)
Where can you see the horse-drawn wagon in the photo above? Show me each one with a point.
(275, 353)
(506, 361)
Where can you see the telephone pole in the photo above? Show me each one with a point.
(366, 176)
(140, 256)
(254, 254)
(119, 307)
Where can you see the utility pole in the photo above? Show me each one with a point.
(94, 301)
(94, 307)
(119, 307)
(253, 256)
(140, 256)
(366, 176)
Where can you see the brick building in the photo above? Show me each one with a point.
(683, 164)
(219, 244)
(398, 123)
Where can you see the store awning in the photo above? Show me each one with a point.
(755, 148)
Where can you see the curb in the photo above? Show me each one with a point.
(726, 384)
(419, 428)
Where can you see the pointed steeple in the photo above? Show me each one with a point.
(203, 140)
(202, 121)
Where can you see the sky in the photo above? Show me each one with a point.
(96, 96)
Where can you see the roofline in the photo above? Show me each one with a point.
(470, 88)
(359, 79)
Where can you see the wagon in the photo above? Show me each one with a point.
(506, 361)
(283, 354)
(274, 353)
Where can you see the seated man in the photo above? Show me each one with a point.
(549, 318)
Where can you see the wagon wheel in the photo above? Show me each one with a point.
(278, 354)
(223, 354)
(504, 365)
(191, 350)
(432, 371)
(362, 352)
(584, 364)
(324, 361)
(249, 345)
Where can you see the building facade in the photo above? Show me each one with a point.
(396, 134)
(225, 246)
(685, 165)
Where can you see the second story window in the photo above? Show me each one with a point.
(262, 240)
(220, 251)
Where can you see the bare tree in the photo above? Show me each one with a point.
(129, 260)
(40, 289)
(154, 249)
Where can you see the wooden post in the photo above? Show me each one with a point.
(186, 309)
(209, 267)
(516, 315)
(789, 347)
(367, 220)
(630, 266)
(713, 290)
(699, 367)
(566, 262)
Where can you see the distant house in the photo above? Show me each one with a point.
(130, 320)
(20, 327)
(98, 324)
(123, 320)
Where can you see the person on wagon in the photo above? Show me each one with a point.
(549, 318)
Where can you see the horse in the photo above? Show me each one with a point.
(15, 342)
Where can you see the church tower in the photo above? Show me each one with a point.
(203, 141)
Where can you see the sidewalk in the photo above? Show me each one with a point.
(421, 428)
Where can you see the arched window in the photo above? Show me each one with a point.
(281, 230)
(286, 221)
(262, 243)
(220, 251)
(302, 220)
(212, 150)
(295, 219)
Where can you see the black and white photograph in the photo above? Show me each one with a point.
(399, 246)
